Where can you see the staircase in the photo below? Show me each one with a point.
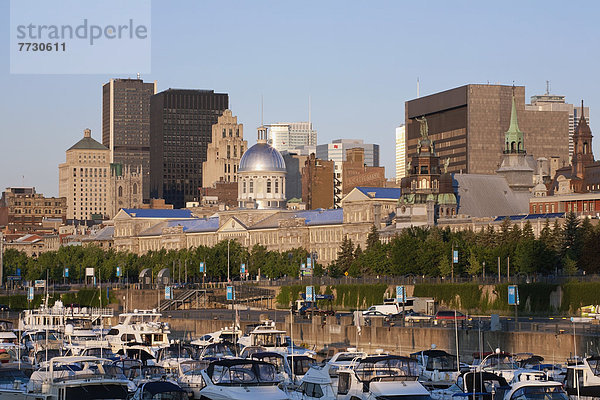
(188, 299)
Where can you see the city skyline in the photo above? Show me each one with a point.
(365, 62)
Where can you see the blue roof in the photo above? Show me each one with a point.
(530, 216)
(151, 213)
(380, 192)
(322, 217)
(197, 225)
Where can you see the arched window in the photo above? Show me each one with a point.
(276, 186)
(512, 146)
(585, 147)
(120, 191)
(269, 186)
(135, 188)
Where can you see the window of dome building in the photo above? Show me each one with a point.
(269, 186)
(251, 187)
(276, 186)
(244, 187)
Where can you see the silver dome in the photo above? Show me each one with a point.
(262, 157)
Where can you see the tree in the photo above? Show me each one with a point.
(445, 267)
(570, 266)
(528, 231)
(373, 238)
(345, 254)
(474, 266)
(571, 236)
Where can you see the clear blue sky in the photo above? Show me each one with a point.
(358, 60)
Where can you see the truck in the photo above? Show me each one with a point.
(304, 307)
(423, 305)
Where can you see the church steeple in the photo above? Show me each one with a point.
(582, 141)
(513, 137)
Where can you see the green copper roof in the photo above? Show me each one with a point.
(87, 143)
(513, 138)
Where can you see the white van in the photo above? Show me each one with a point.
(382, 310)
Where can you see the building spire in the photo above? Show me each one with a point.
(513, 137)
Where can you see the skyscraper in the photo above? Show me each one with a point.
(126, 125)
(289, 136)
(181, 123)
(400, 153)
(224, 152)
(467, 125)
(552, 102)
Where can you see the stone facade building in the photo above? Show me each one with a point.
(24, 210)
(125, 187)
(224, 152)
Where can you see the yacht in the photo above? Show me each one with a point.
(583, 377)
(536, 390)
(381, 377)
(74, 378)
(474, 385)
(190, 376)
(315, 384)
(272, 339)
(141, 328)
(437, 368)
(227, 334)
(58, 317)
(499, 363)
(240, 379)
(170, 357)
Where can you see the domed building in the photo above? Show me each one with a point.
(261, 176)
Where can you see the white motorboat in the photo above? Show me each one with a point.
(536, 390)
(58, 317)
(315, 384)
(77, 340)
(190, 376)
(437, 368)
(227, 334)
(343, 359)
(140, 328)
(74, 378)
(272, 339)
(240, 379)
(381, 377)
(583, 377)
(170, 357)
(473, 385)
(499, 363)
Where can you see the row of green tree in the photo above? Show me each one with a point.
(570, 248)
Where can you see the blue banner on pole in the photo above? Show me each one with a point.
(168, 293)
(66, 272)
(243, 268)
(230, 293)
(455, 256)
(513, 295)
(309, 263)
(400, 294)
(310, 293)
(201, 267)
(118, 272)
(30, 293)
(18, 271)
(107, 294)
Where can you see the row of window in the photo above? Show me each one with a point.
(251, 186)
(36, 211)
(237, 132)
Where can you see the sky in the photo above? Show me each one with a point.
(358, 61)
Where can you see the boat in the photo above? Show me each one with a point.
(170, 357)
(536, 390)
(240, 379)
(272, 339)
(58, 317)
(315, 384)
(473, 385)
(583, 377)
(74, 378)
(227, 334)
(499, 363)
(13, 383)
(437, 368)
(190, 376)
(381, 377)
(142, 328)
(158, 390)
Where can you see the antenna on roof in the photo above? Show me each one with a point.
(262, 110)
(138, 75)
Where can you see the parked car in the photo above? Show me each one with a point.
(450, 315)
(412, 316)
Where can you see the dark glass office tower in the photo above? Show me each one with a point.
(126, 125)
(180, 129)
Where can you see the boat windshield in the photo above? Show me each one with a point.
(499, 362)
(446, 362)
(269, 340)
(177, 351)
(193, 367)
(244, 374)
(302, 364)
(276, 360)
(539, 393)
(594, 363)
(8, 376)
(346, 357)
(386, 367)
(100, 352)
(219, 350)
